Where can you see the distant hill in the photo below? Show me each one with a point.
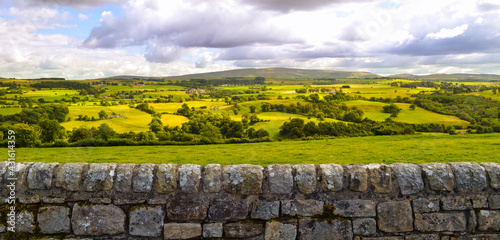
(128, 77)
(453, 77)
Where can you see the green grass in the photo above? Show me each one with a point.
(363, 150)
(10, 111)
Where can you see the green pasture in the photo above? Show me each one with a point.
(51, 93)
(10, 111)
(172, 107)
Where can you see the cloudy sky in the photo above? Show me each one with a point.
(96, 38)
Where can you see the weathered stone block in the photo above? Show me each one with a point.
(189, 178)
(212, 178)
(471, 221)
(97, 220)
(146, 221)
(40, 175)
(488, 220)
(354, 208)
(423, 237)
(68, 176)
(395, 216)
(493, 170)
(222, 211)
(186, 211)
(384, 238)
(479, 201)
(99, 177)
(331, 177)
(305, 208)
(440, 176)
(25, 222)
(29, 199)
(124, 173)
(469, 176)
(181, 230)
(212, 230)
(266, 210)
(242, 230)
(20, 172)
(456, 203)
(358, 175)
(425, 205)
(364, 226)
(327, 230)
(280, 179)
(409, 177)
(440, 222)
(494, 201)
(380, 178)
(54, 219)
(305, 178)
(143, 180)
(243, 179)
(166, 176)
(280, 231)
(489, 236)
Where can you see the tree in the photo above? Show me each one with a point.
(80, 133)
(105, 132)
(210, 132)
(252, 109)
(412, 107)
(102, 114)
(155, 125)
(51, 130)
(26, 135)
(495, 90)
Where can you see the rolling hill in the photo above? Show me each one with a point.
(449, 77)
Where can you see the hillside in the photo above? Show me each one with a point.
(452, 77)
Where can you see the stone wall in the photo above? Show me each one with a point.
(431, 201)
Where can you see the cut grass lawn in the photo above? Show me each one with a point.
(363, 150)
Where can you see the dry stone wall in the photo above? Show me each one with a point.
(433, 201)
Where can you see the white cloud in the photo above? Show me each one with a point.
(82, 17)
(448, 33)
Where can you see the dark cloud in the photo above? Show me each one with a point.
(486, 7)
(291, 5)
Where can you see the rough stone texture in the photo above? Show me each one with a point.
(189, 178)
(325, 230)
(266, 210)
(425, 205)
(493, 170)
(68, 176)
(212, 178)
(222, 211)
(358, 175)
(440, 222)
(243, 230)
(305, 178)
(100, 200)
(364, 226)
(54, 219)
(469, 176)
(479, 201)
(280, 231)
(146, 221)
(471, 221)
(456, 203)
(185, 211)
(29, 199)
(181, 230)
(143, 180)
(409, 177)
(395, 216)
(488, 220)
(124, 173)
(99, 177)
(166, 176)
(380, 178)
(40, 175)
(384, 238)
(280, 178)
(305, 208)
(212, 230)
(422, 237)
(21, 172)
(25, 222)
(331, 177)
(354, 208)
(494, 201)
(244, 179)
(440, 176)
(477, 237)
(97, 220)
(53, 200)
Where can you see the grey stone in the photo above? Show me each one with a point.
(423, 237)
(305, 178)
(40, 175)
(124, 174)
(354, 208)
(189, 178)
(242, 230)
(128, 201)
(479, 201)
(440, 222)
(212, 230)
(143, 180)
(493, 170)
(54, 219)
(489, 236)
(280, 179)
(212, 178)
(488, 220)
(20, 172)
(166, 176)
(3, 170)
(29, 199)
(146, 221)
(456, 203)
(471, 221)
(186, 211)
(304, 208)
(469, 176)
(100, 200)
(358, 175)
(25, 222)
(395, 216)
(494, 201)
(384, 238)
(425, 205)
(409, 177)
(181, 230)
(331, 177)
(53, 200)
(364, 226)
(325, 230)
(99, 177)
(69, 175)
(280, 231)
(97, 220)
(244, 179)
(223, 211)
(440, 176)
(266, 210)
(380, 178)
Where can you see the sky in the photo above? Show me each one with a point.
(90, 39)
